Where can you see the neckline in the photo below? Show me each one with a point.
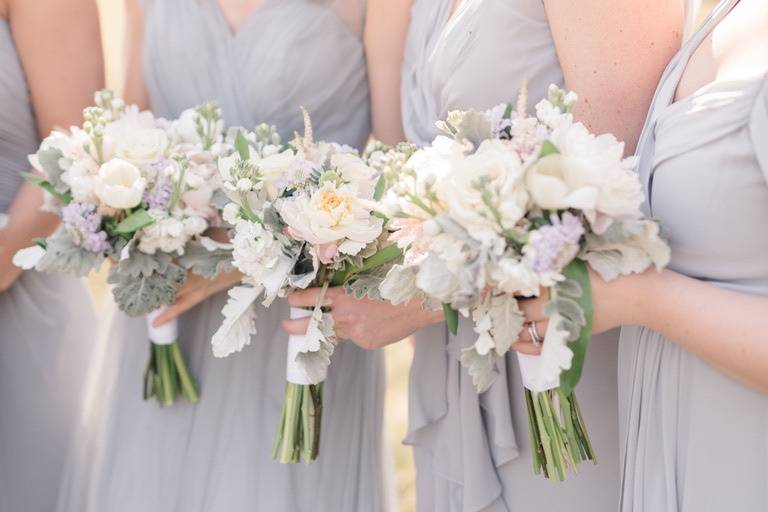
(718, 14)
(231, 31)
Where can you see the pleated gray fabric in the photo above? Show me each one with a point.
(472, 451)
(216, 456)
(46, 332)
(692, 438)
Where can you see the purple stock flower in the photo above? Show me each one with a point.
(84, 225)
(555, 245)
(158, 197)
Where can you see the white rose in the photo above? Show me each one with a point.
(142, 146)
(119, 184)
(500, 171)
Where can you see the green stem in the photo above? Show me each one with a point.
(186, 382)
(165, 391)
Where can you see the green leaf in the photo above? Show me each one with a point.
(242, 146)
(548, 148)
(137, 220)
(378, 191)
(577, 271)
(383, 256)
(41, 242)
(39, 181)
(451, 318)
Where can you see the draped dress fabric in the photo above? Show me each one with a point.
(472, 451)
(45, 331)
(693, 439)
(216, 455)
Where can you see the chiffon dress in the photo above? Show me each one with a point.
(47, 330)
(692, 438)
(216, 455)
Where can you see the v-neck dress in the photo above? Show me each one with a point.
(46, 330)
(472, 452)
(216, 455)
(694, 439)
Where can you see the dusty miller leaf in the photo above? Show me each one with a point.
(482, 368)
(144, 283)
(65, 257)
(49, 161)
(205, 263)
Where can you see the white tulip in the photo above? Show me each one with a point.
(119, 184)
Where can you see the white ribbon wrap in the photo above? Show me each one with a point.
(530, 372)
(295, 372)
(166, 334)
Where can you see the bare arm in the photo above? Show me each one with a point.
(135, 90)
(727, 329)
(63, 70)
(612, 53)
(386, 26)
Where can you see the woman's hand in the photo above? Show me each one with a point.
(615, 303)
(194, 291)
(368, 323)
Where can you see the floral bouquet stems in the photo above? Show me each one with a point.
(167, 376)
(558, 433)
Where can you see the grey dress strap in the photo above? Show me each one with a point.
(665, 94)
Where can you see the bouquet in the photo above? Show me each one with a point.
(138, 190)
(302, 215)
(506, 206)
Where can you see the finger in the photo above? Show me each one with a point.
(304, 298)
(297, 326)
(178, 308)
(533, 309)
(541, 328)
(526, 348)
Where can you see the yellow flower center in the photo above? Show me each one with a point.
(330, 201)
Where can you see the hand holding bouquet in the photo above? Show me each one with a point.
(303, 217)
(507, 206)
(139, 190)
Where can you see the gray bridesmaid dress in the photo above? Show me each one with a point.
(45, 331)
(693, 439)
(216, 455)
(472, 452)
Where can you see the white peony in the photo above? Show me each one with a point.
(588, 174)
(142, 146)
(332, 216)
(119, 184)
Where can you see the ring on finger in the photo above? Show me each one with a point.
(534, 332)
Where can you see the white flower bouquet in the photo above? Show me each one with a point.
(303, 215)
(507, 206)
(140, 191)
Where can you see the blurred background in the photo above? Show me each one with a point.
(398, 356)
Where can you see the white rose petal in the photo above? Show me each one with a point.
(119, 184)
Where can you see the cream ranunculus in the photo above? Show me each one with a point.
(354, 170)
(119, 184)
(492, 174)
(142, 146)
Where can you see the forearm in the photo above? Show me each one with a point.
(727, 329)
(26, 222)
